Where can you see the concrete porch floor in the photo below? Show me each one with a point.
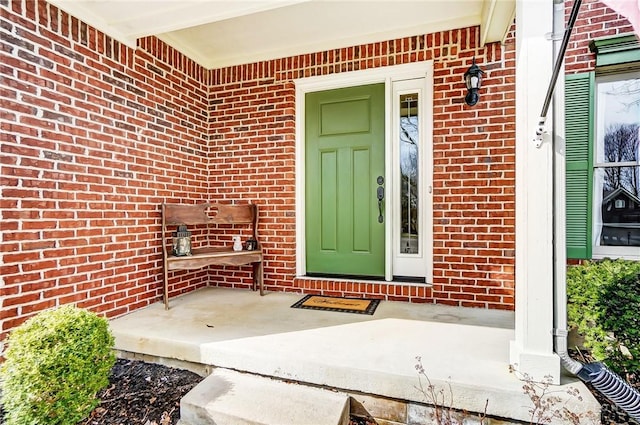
(366, 356)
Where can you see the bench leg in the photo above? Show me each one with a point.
(166, 288)
(258, 276)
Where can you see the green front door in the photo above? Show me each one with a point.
(344, 158)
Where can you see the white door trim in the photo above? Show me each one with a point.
(385, 75)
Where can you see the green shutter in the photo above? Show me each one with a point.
(579, 119)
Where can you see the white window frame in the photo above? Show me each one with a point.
(602, 251)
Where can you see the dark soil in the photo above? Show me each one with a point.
(142, 393)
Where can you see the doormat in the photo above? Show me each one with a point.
(344, 305)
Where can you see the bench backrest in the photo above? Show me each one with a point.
(210, 213)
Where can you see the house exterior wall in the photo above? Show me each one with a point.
(253, 150)
(95, 136)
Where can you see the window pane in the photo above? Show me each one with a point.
(617, 174)
(619, 221)
(623, 178)
(409, 173)
(618, 120)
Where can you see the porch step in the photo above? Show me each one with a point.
(232, 398)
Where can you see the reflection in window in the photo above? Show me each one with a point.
(409, 173)
(617, 169)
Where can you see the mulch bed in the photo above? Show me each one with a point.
(142, 393)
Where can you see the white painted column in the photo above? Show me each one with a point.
(532, 350)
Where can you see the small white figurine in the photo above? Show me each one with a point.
(237, 245)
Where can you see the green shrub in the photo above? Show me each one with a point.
(55, 364)
(604, 300)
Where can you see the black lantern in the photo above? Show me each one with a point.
(181, 241)
(473, 80)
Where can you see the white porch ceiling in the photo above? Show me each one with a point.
(220, 33)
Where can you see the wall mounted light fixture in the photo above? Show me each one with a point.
(473, 80)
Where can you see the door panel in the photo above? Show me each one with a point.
(345, 116)
(344, 155)
(329, 201)
(361, 164)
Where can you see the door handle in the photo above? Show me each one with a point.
(380, 195)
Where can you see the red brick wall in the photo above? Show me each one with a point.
(94, 137)
(253, 150)
(595, 20)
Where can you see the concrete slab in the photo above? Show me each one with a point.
(467, 349)
(380, 357)
(221, 314)
(230, 398)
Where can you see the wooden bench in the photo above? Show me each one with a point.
(207, 253)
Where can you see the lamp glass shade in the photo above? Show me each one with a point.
(473, 77)
(182, 241)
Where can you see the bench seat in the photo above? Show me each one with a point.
(224, 256)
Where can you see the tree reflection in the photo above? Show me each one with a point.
(621, 145)
(409, 173)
